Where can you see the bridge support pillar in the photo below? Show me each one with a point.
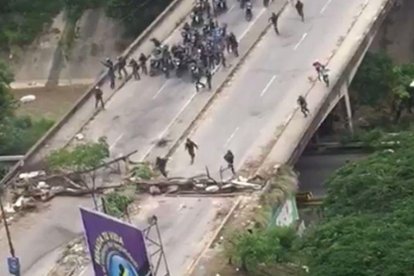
(348, 108)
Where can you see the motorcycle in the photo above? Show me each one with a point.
(325, 76)
(249, 13)
(220, 6)
(196, 19)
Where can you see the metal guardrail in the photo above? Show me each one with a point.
(87, 95)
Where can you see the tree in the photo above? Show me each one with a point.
(369, 222)
(262, 249)
(360, 245)
(83, 159)
(135, 15)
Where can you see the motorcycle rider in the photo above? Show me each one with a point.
(320, 69)
(249, 9)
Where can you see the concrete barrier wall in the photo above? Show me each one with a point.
(177, 8)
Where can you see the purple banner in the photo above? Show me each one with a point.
(116, 248)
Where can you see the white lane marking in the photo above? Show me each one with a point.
(300, 41)
(160, 90)
(116, 141)
(267, 86)
(325, 6)
(251, 24)
(231, 137)
(168, 126)
(231, 8)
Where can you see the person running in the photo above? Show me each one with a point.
(229, 158)
(299, 9)
(161, 165)
(303, 106)
(98, 97)
(190, 146)
(273, 19)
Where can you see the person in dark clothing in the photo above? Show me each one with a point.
(98, 97)
(299, 9)
(143, 63)
(209, 76)
(273, 19)
(135, 69)
(161, 165)
(303, 106)
(111, 71)
(234, 44)
(190, 146)
(223, 59)
(121, 67)
(229, 158)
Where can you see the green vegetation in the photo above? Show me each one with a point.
(22, 20)
(367, 227)
(134, 15)
(82, 159)
(384, 87)
(17, 134)
(116, 204)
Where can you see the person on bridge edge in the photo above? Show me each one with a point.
(135, 69)
(303, 106)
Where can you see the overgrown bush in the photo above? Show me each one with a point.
(116, 204)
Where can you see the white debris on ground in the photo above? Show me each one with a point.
(27, 98)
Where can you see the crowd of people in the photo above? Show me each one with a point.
(203, 46)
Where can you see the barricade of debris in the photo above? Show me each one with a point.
(41, 186)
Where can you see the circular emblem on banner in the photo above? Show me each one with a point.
(117, 265)
(112, 256)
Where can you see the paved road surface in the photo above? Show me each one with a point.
(259, 98)
(263, 95)
(135, 116)
(143, 111)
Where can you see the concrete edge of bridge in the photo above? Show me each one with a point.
(171, 8)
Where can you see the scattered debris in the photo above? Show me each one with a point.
(27, 98)
(79, 136)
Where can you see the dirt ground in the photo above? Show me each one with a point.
(50, 103)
